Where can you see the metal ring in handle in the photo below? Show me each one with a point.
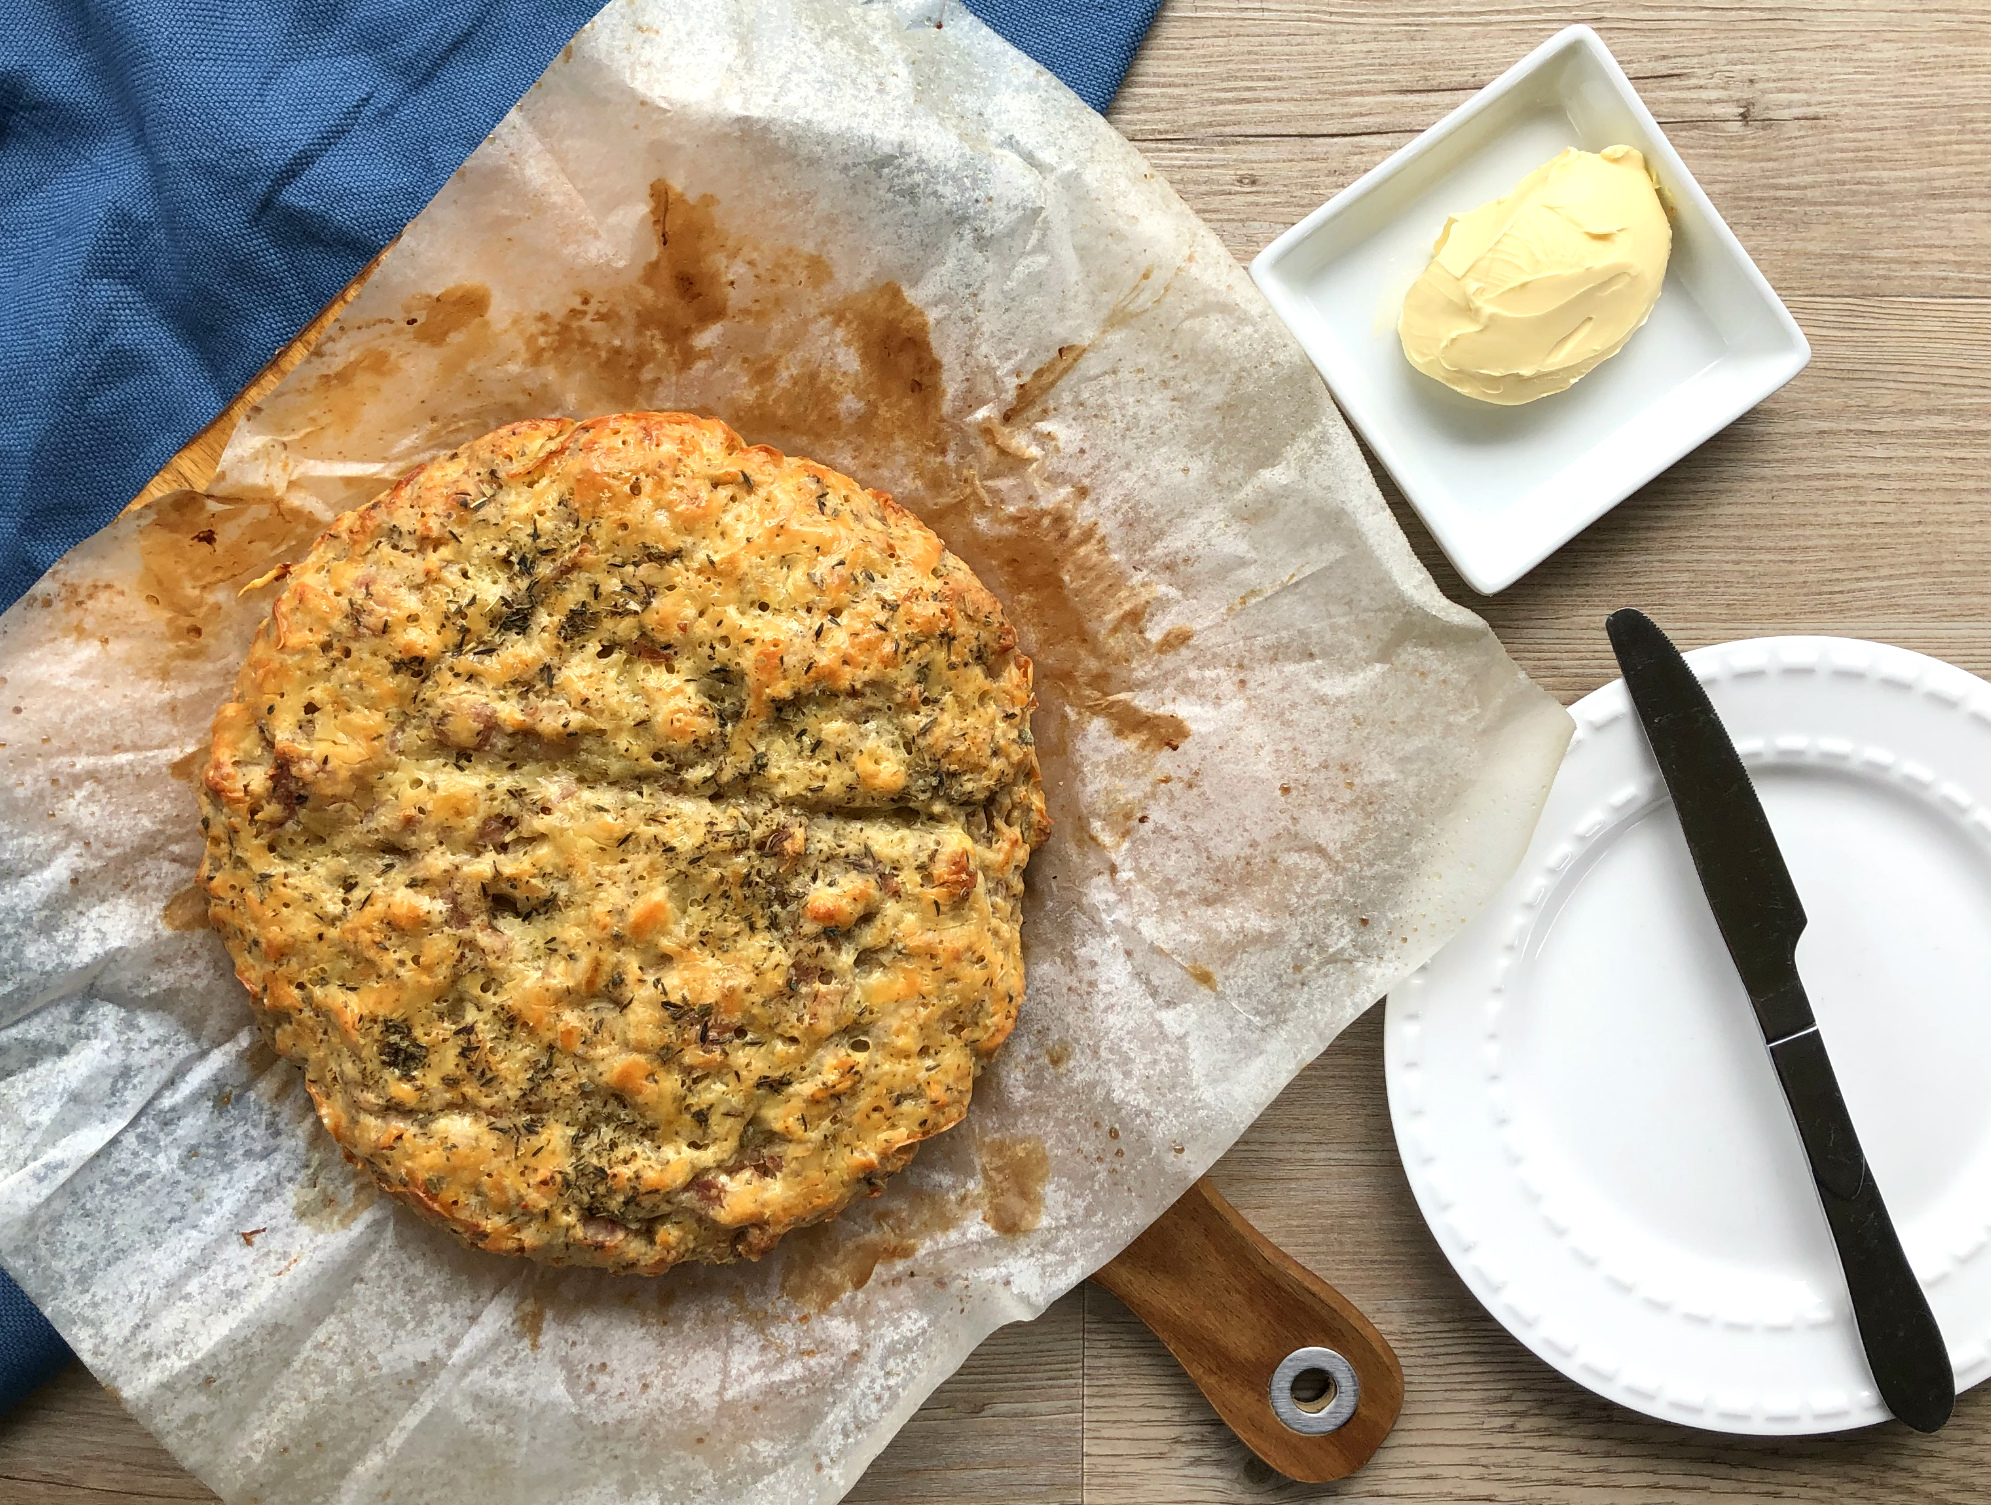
(1330, 1417)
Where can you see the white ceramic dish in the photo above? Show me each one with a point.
(1503, 488)
(1581, 1096)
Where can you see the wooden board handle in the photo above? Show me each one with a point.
(1239, 1311)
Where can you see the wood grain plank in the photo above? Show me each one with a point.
(71, 1441)
(1232, 1307)
(1006, 1426)
(1845, 146)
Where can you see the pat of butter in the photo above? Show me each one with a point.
(1529, 293)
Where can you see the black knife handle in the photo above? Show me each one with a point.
(1904, 1346)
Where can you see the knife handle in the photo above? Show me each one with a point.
(1247, 1320)
(1905, 1349)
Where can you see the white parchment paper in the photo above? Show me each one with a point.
(1284, 769)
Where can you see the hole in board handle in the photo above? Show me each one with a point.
(1314, 1391)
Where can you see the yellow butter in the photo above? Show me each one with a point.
(1527, 294)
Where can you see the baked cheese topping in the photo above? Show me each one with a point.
(625, 828)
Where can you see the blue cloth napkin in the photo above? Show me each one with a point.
(30, 1350)
(186, 182)
(1089, 44)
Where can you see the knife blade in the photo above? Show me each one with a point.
(1756, 906)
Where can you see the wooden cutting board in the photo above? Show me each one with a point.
(1241, 1315)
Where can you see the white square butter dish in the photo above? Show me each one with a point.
(1501, 488)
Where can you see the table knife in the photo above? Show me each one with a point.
(1756, 905)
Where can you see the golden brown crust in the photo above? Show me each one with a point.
(624, 828)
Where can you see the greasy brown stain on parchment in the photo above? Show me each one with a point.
(1081, 611)
(1013, 1175)
(688, 277)
(187, 909)
(827, 1262)
(1202, 975)
(187, 767)
(717, 322)
(334, 1196)
(1035, 387)
(880, 393)
(532, 1320)
(337, 400)
(85, 603)
(622, 347)
(437, 316)
(817, 1280)
(194, 552)
(663, 1298)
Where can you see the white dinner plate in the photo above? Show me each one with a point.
(1581, 1096)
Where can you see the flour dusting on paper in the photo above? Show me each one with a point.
(1283, 768)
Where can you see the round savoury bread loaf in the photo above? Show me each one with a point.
(624, 829)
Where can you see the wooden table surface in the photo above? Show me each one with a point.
(1849, 146)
